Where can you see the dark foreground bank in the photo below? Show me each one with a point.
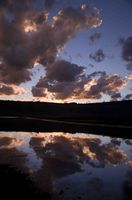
(15, 185)
(113, 118)
(44, 125)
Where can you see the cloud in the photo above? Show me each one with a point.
(61, 78)
(91, 65)
(15, 53)
(6, 90)
(38, 92)
(129, 77)
(13, 5)
(98, 56)
(129, 66)
(74, 20)
(97, 73)
(27, 36)
(10, 90)
(115, 96)
(50, 3)
(127, 52)
(106, 84)
(15, 76)
(128, 97)
(94, 37)
(121, 40)
(80, 85)
(64, 71)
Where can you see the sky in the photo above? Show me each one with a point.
(66, 50)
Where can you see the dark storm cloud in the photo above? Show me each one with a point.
(27, 36)
(94, 37)
(98, 56)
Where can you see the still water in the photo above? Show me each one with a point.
(71, 166)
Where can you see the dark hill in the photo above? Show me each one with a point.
(113, 118)
(110, 113)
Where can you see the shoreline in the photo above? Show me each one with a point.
(30, 124)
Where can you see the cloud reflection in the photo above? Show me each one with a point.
(63, 158)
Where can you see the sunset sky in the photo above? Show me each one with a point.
(66, 50)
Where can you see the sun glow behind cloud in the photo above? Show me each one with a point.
(29, 26)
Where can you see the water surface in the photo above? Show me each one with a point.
(71, 166)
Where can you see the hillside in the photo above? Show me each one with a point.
(111, 112)
(113, 118)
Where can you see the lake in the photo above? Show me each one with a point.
(66, 166)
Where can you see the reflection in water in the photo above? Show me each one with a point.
(68, 166)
